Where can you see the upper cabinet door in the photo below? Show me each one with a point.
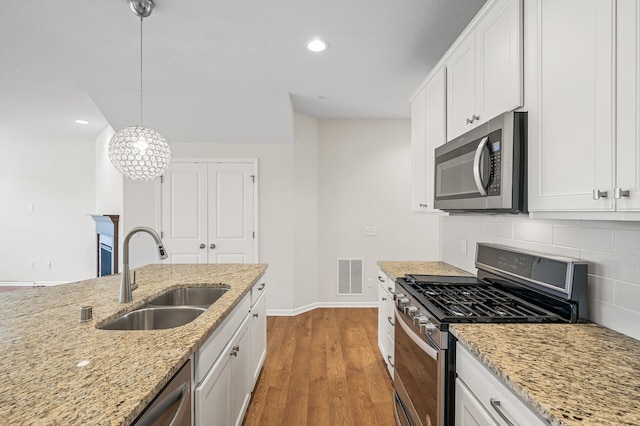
(628, 107)
(499, 60)
(428, 129)
(485, 68)
(569, 91)
(461, 89)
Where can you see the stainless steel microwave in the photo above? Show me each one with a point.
(485, 169)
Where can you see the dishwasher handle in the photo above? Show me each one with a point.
(180, 394)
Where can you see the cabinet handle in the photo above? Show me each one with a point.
(391, 290)
(202, 246)
(255, 315)
(495, 403)
(235, 350)
(619, 193)
(262, 286)
(380, 279)
(597, 194)
(422, 205)
(390, 363)
(475, 117)
(390, 321)
(212, 246)
(469, 121)
(384, 298)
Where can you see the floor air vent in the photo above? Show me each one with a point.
(350, 279)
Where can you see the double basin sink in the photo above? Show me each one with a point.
(168, 310)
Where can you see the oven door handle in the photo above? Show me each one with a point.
(426, 347)
(477, 166)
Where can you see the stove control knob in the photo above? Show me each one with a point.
(412, 311)
(427, 328)
(420, 320)
(403, 302)
(398, 296)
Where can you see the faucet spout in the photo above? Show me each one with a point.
(125, 279)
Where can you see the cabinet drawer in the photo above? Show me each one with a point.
(210, 350)
(487, 387)
(256, 291)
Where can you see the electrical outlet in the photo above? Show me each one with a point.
(370, 231)
(463, 247)
(47, 264)
(30, 207)
(369, 282)
(31, 264)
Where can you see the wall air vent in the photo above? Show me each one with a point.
(350, 281)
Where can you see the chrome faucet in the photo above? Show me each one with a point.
(125, 280)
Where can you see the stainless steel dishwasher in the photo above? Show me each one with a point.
(172, 406)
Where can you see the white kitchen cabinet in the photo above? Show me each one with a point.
(223, 396)
(257, 332)
(628, 106)
(469, 411)
(570, 98)
(485, 68)
(428, 131)
(482, 399)
(386, 319)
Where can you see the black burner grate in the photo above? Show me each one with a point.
(474, 301)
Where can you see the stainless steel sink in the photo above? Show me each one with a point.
(189, 296)
(155, 318)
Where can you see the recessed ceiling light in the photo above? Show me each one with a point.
(317, 45)
(82, 122)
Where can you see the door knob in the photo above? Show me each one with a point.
(212, 246)
(202, 246)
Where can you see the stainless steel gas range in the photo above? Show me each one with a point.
(511, 286)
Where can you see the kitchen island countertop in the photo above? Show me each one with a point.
(43, 344)
(570, 374)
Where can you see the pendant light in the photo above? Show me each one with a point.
(138, 152)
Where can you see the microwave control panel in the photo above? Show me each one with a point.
(496, 162)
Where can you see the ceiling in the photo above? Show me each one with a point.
(215, 71)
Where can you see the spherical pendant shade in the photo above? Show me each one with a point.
(139, 153)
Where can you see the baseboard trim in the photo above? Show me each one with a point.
(312, 306)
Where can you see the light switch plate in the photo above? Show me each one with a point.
(370, 231)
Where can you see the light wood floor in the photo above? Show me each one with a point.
(323, 367)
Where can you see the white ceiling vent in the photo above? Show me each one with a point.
(350, 279)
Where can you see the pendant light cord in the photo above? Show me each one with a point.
(141, 121)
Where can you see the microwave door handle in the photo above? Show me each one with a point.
(477, 163)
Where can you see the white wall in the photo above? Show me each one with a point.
(305, 211)
(57, 177)
(109, 182)
(611, 248)
(364, 180)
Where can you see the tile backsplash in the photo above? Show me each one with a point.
(611, 248)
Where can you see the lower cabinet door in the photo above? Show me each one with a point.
(213, 394)
(240, 389)
(258, 338)
(469, 412)
(222, 397)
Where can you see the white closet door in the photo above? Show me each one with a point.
(184, 213)
(231, 213)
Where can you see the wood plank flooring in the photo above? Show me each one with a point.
(323, 367)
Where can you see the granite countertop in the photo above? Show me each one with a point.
(42, 342)
(396, 269)
(571, 374)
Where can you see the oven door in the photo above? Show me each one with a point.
(419, 376)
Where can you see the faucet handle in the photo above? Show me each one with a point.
(134, 284)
